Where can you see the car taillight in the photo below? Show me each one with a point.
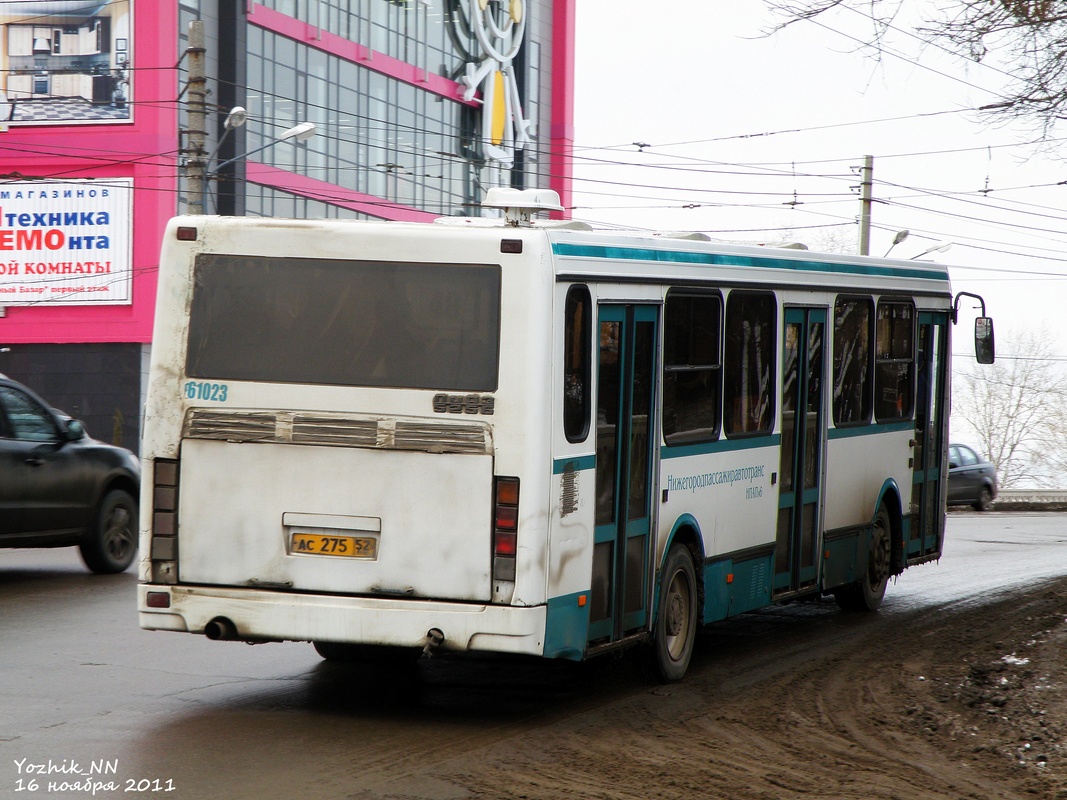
(505, 527)
(165, 521)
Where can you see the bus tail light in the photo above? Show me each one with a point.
(505, 527)
(165, 521)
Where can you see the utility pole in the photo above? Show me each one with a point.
(196, 133)
(865, 205)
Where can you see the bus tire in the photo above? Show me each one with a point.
(676, 621)
(110, 545)
(867, 593)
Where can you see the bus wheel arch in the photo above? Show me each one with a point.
(867, 593)
(893, 506)
(679, 605)
(686, 532)
(889, 500)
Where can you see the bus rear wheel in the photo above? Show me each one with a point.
(867, 593)
(676, 621)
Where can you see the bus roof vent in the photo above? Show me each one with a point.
(521, 204)
(785, 245)
(695, 236)
(563, 224)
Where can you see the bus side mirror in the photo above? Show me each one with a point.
(984, 349)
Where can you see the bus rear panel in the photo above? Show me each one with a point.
(322, 439)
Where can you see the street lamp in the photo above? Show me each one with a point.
(235, 119)
(940, 247)
(301, 132)
(900, 237)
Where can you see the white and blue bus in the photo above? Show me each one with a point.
(530, 438)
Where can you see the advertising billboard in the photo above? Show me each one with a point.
(65, 62)
(66, 242)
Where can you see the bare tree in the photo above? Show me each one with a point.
(835, 240)
(1012, 406)
(1052, 447)
(1031, 35)
(830, 239)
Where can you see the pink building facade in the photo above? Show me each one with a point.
(94, 149)
(90, 129)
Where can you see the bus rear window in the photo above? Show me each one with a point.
(348, 323)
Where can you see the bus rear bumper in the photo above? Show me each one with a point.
(269, 615)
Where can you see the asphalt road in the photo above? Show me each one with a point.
(91, 705)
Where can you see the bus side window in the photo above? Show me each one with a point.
(749, 363)
(692, 367)
(577, 351)
(852, 360)
(894, 376)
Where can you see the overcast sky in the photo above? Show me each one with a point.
(764, 136)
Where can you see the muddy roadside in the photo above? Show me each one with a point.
(962, 702)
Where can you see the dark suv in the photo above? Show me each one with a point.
(58, 487)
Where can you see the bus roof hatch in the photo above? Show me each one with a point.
(520, 204)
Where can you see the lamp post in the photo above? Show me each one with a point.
(235, 119)
(301, 132)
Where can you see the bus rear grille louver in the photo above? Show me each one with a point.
(247, 427)
(336, 430)
(308, 429)
(436, 437)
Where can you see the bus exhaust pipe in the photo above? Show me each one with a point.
(435, 637)
(220, 629)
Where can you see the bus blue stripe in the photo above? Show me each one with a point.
(734, 445)
(720, 446)
(580, 463)
(871, 430)
(619, 253)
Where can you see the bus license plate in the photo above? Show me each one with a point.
(318, 544)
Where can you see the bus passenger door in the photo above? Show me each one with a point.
(800, 473)
(927, 499)
(624, 454)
